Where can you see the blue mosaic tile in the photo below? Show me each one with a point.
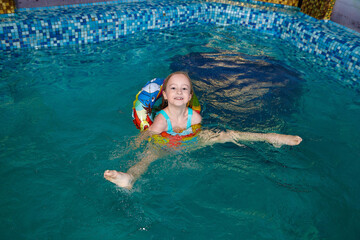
(80, 5)
(91, 23)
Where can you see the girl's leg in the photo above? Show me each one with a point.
(127, 180)
(208, 137)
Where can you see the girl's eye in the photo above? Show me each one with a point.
(184, 89)
(173, 88)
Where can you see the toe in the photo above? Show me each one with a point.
(108, 173)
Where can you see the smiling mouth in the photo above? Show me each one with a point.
(179, 98)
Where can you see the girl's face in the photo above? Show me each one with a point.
(178, 90)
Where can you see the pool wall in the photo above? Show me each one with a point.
(80, 25)
(8, 6)
(50, 3)
(319, 9)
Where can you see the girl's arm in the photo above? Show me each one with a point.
(196, 118)
(159, 125)
(156, 128)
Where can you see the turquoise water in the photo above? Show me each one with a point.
(65, 117)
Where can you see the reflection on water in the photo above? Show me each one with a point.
(241, 89)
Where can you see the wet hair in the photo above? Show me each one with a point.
(164, 103)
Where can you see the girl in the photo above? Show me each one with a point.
(177, 118)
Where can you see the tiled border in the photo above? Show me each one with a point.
(80, 5)
(79, 25)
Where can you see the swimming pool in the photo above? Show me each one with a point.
(65, 118)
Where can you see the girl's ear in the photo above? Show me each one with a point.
(164, 95)
(188, 104)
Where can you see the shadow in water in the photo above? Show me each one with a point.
(239, 90)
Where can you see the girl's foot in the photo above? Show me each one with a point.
(121, 179)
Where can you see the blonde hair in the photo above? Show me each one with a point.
(164, 103)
